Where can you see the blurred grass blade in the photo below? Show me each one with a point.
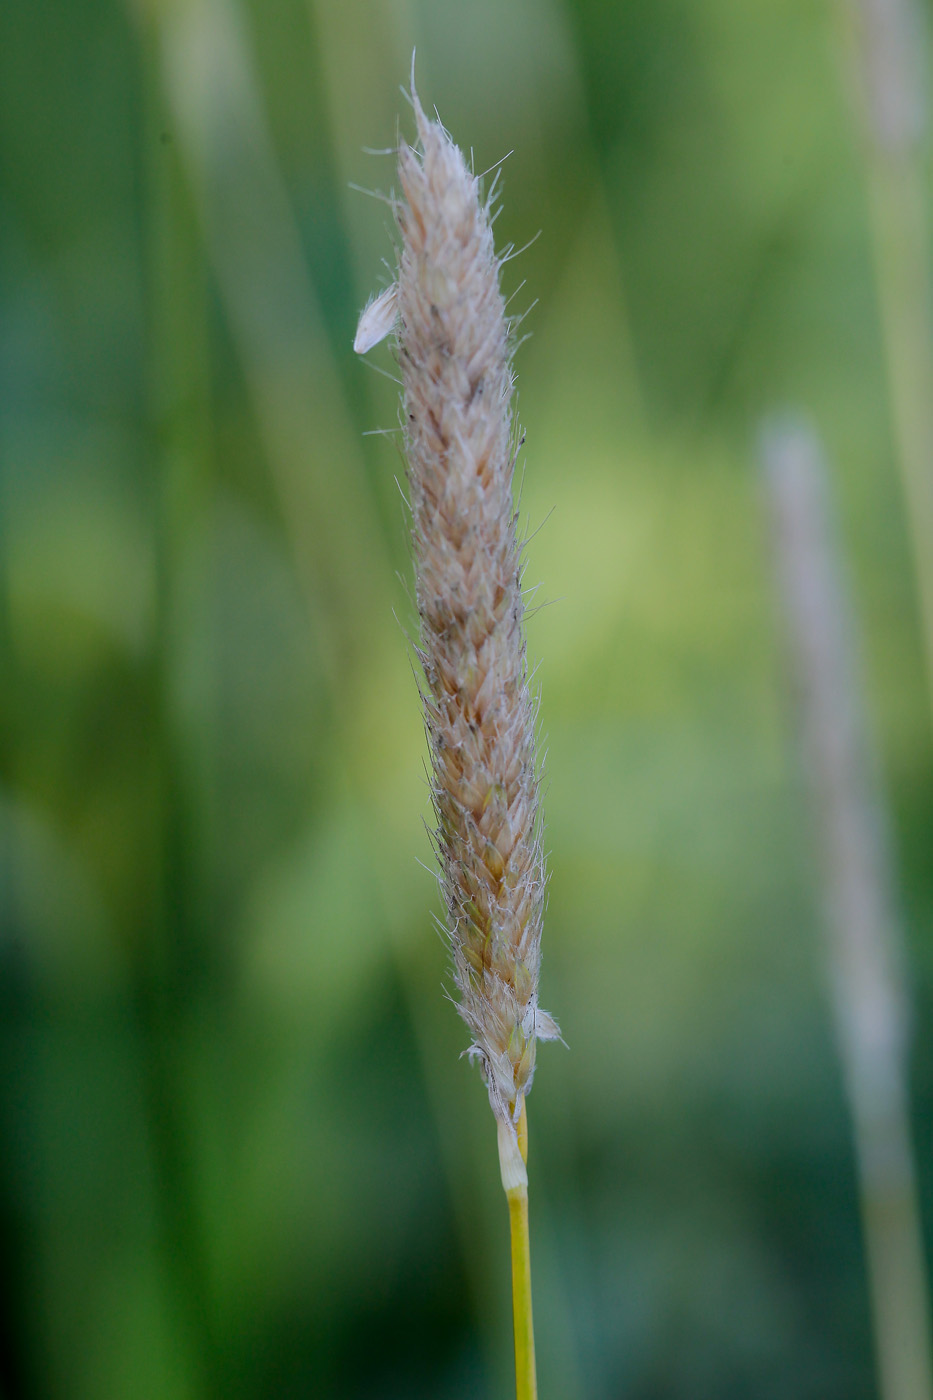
(273, 312)
(886, 48)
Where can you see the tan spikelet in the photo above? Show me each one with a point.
(457, 382)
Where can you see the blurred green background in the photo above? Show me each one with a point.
(240, 1155)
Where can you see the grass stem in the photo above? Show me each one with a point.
(526, 1384)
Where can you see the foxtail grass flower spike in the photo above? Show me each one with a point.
(453, 349)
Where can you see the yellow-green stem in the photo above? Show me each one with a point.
(526, 1385)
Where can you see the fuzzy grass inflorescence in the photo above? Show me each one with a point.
(454, 354)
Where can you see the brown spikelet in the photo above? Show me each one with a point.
(480, 719)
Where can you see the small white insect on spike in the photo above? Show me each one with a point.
(376, 320)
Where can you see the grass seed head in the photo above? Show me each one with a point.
(453, 350)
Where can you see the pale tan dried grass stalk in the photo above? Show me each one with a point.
(454, 353)
(866, 950)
